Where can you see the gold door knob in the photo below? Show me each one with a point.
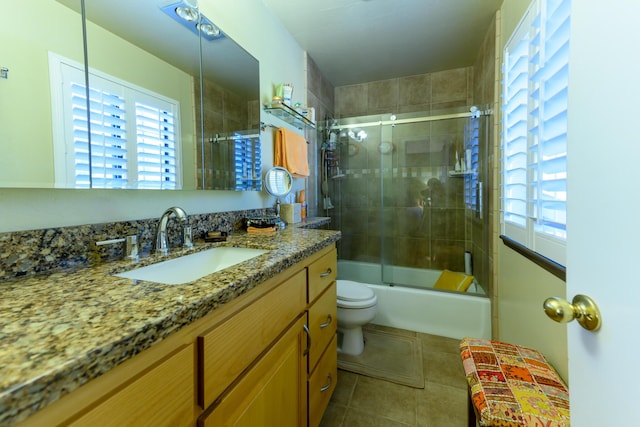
(582, 308)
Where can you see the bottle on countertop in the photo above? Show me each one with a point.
(303, 204)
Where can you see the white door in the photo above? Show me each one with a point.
(603, 248)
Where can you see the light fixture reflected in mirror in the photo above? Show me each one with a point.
(186, 13)
(209, 30)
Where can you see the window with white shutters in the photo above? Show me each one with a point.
(134, 132)
(534, 139)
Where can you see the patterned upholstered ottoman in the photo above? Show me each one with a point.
(511, 385)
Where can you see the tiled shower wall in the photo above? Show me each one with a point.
(223, 111)
(320, 95)
(425, 221)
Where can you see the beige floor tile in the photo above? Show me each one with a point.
(442, 406)
(363, 401)
(344, 388)
(434, 343)
(359, 418)
(445, 369)
(384, 399)
(333, 415)
(403, 332)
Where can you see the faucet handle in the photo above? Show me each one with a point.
(130, 244)
(187, 237)
(131, 247)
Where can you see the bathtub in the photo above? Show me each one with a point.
(447, 314)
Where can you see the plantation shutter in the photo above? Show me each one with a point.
(472, 188)
(134, 132)
(78, 168)
(108, 140)
(156, 147)
(514, 138)
(535, 129)
(550, 95)
(247, 161)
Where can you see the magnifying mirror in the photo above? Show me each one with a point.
(278, 181)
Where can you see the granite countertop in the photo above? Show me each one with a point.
(61, 330)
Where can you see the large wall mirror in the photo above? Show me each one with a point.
(172, 106)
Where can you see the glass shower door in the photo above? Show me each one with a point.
(428, 179)
(408, 197)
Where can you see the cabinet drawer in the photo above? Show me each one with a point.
(272, 391)
(321, 273)
(322, 324)
(322, 383)
(164, 395)
(227, 350)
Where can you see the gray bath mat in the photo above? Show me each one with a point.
(387, 356)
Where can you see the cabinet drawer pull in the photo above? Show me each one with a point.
(328, 386)
(326, 273)
(327, 323)
(306, 330)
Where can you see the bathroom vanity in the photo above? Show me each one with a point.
(250, 343)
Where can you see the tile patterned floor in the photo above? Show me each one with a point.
(363, 401)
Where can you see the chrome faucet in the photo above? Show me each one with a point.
(162, 245)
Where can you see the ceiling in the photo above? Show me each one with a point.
(357, 41)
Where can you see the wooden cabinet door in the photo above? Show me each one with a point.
(322, 324)
(322, 383)
(321, 273)
(228, 349)
(272, 393)
(164, 395)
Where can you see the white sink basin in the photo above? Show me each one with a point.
(192, 267)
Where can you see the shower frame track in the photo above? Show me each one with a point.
(413, 120)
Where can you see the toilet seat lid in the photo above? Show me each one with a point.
(352, 291)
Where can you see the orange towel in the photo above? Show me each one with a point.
(291, 152)
(256, 230)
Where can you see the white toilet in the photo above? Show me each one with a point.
(356, 308)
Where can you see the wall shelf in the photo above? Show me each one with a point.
(288, 114)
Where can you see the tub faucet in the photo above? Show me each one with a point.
(162, 245)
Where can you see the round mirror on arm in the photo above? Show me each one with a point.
(278, 182)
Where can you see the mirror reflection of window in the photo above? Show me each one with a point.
(278, 181)
(134, 132)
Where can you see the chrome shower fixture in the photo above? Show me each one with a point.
(359, 136)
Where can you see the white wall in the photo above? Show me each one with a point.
(254, 27)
